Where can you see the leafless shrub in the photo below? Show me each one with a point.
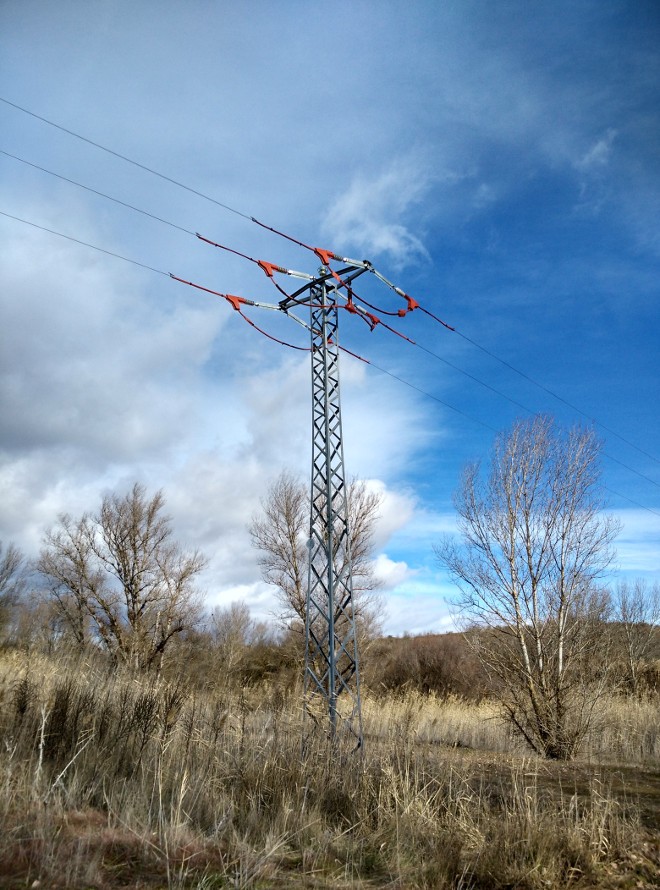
(636, 608)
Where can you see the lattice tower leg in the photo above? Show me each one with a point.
(332, 683)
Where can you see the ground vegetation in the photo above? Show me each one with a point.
(187, 771)
(117, 780)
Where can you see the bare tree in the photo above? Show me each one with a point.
(72, 576)
(12, 580)
(120, 578)
(637, 609)
(534, 547)
(235, 633)
(281, 532)
(233, 626)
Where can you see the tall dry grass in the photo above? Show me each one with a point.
(624, 729)
(112, 781)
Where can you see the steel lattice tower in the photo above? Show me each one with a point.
(332, 681)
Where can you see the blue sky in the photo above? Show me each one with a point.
(499, 162)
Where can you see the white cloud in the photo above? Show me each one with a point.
(389, 573)
(89, 362)
(259, 597)
(428, 527)
(103, 385)
(418, 606)
(213, 480)
(369, 216)
(485, 195)
(637, 543)
(106, 379)
(278, 403)
(599, 154)
(396, 511)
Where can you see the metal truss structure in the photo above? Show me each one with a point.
(332, 681)
(332, 678)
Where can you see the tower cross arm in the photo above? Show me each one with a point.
(303, 294)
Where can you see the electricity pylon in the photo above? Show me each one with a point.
(332, 678)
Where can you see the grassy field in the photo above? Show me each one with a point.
(111, 781)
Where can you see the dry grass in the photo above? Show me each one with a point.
(627, 730)
(449, 721)
(624, 730)
(111, 781)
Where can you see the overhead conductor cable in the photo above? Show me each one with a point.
(329, 254)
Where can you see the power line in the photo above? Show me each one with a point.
(414, 343)
(630, 500)
(88, 188)
(329, 253)
(326, 255)
(636, 472)
(84, 243)
(446, 361)
(169, 275)
(377, 367)
(128, 160)
(435, 398)
(558, 397)
(269, 271)
(529, 410)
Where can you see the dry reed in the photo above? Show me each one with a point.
(112, 781)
